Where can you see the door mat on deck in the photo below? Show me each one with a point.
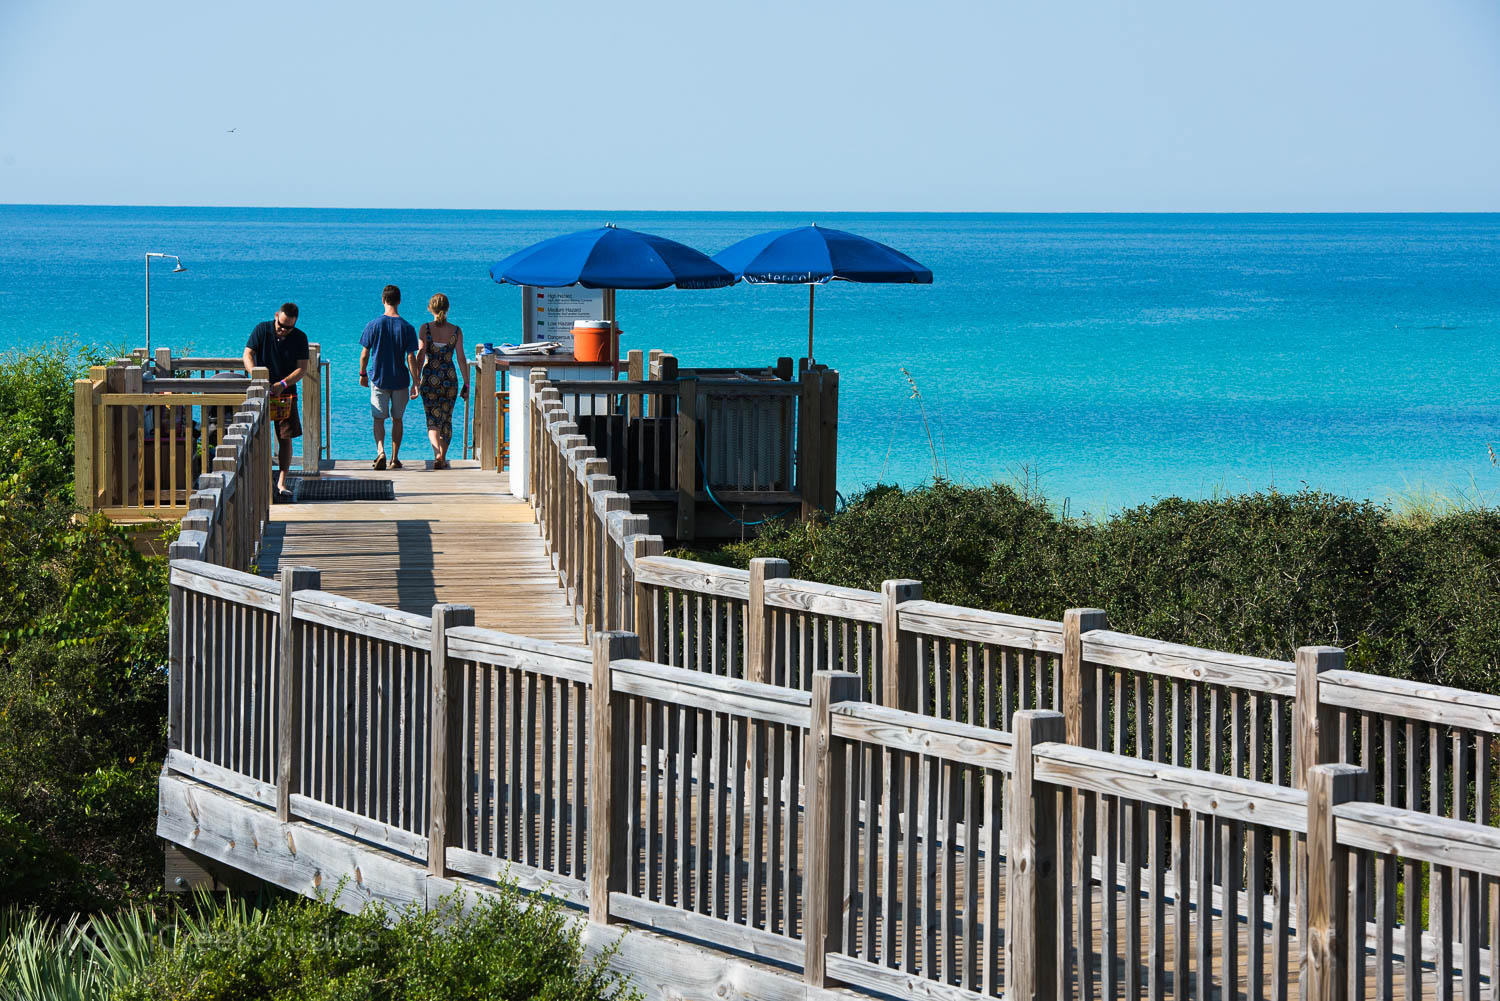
(326, 488)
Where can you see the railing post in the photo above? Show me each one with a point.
(1080, 683)
(611, 762)
(599, 485)
(1080, 708)
(1325, 964)
(827, 813)
(311, 385)
(1031, 830)
(645, 608)
(899, 684)
(828, 446)
(592, 467)
(289, 686)
(687, 459)
(568, 527)
(632, 528)
(83, 444)
(1314, 742)
(760, 639)
(664, 369)
(164, 362)
(135, 457)
(1315, 727)
(486, 412)
(635, 371)
(606, 614)
(445, 773)
(809, 443)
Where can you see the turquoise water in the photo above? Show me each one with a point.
(1111, 358)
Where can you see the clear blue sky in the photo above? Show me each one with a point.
(1160, 105)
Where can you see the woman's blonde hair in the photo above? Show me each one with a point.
(438, 306)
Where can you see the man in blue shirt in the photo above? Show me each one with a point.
(391, 344)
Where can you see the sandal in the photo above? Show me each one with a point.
(379, 462)
(395, 463)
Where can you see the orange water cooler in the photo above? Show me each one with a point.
(592, 341)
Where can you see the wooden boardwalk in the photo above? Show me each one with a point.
(453, 535)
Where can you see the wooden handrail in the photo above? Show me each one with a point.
(929, 835)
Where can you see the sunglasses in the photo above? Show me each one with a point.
(285, 328)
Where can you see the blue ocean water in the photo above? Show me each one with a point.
(1108, 358)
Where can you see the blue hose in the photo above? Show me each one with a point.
(703, 467)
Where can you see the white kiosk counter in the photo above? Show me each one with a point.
(518, 371)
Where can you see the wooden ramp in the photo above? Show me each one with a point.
(454, 535)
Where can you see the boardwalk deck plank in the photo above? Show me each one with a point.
(453, 535)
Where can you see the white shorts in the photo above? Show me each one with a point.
(388, 403)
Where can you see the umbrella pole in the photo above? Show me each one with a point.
(811, 290)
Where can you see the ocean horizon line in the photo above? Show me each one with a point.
(966, 213)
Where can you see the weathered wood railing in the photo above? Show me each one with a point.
(139, 449)
(898, 852)
(186, 372)
(1243, 718)
(1156, 701)
(227, 512)
(725, 447)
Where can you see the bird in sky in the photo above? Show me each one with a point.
(235, 129)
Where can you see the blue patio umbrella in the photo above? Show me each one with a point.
(813, 256)
(611, 258)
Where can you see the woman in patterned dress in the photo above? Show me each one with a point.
(441, 343)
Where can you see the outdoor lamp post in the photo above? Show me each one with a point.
(175, 270)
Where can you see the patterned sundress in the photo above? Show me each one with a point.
(439, 383)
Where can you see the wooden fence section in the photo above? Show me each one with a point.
(896, 852)
(138, 451)
(1156, 701)
(189, 373)
(226, 514)
(727, 448)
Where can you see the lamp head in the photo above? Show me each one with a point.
(178, 268)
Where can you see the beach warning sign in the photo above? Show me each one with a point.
(550, 312)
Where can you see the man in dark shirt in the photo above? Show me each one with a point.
(277, 345)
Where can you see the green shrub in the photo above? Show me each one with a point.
(1259, 574)
(42, 959)
(1445, 579)
(83, 642)
(36, 414)
(308, 950)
